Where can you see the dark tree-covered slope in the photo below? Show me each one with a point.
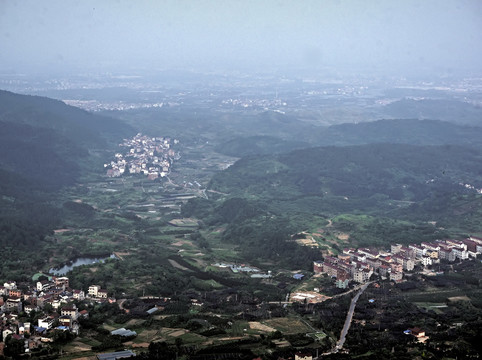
(399, 131)
(48, 142)
(397, 171)
(449, 110)
(79, 126)
(44, 145)
(403, 131)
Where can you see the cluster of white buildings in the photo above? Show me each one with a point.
(55, 293)
(360, 264)
(150, 156)
(471, 187)
(264, 104)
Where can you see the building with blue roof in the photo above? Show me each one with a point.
(116, 355)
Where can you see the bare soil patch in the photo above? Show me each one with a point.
(108, 327)
(178, 333)
(141, 345)
(230, 338)
(281, 343)
(177, 265)
(120, 255)
(77, 346)
(182, 242)
(135, 322)
(147, 335)
(307, 242)
(459, 298)
(59, 231)
(174, 332)
(186, 222)
(255, 325)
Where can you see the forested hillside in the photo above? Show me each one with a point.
(399, 131)
(373, 192)
(78, 126)
(448, 110)
(45, 145)
(403, 131)
(395, 171)
(48, 142)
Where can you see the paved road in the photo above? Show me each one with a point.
(349, 317)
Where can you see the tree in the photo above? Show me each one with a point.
(160, 350)
(13, 347)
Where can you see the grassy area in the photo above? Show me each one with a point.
(239, 328)
(110, 327)
(288, 325)
(314, 282)
(89, 341)
(190, 338)
(436, 307)
(368, 353)
(78, 355)
(320, 335)
(79, 348)
(433, 296)
(146, 336)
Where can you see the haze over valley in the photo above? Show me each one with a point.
(240, 180)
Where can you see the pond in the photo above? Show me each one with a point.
(87, 260)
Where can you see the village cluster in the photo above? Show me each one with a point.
(53, 300)
(150, 156)
(360, 264)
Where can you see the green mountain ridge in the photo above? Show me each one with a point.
(50, 142)
(375, 193)
(443, 109)
(398, 131)
(79, 126)
(392, 171)
(404, 131)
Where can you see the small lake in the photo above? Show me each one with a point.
(78, 262)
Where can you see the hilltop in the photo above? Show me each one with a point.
(396, 131)
(50, 143)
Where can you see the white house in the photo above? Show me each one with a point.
(46, 322)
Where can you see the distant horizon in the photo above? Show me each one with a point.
(327, 72)
(408, 38)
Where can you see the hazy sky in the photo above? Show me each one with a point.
(441, 35)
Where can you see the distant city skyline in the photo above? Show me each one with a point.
(411, 37)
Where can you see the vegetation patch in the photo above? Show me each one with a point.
(288, 325)
(186, 222)
(175, 264)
